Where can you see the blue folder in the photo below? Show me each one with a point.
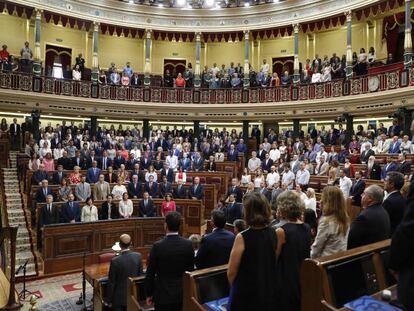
(218, 305)
(365, 303)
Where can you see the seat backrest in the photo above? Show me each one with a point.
(213, 286)
(107, 257)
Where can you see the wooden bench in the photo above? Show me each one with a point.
(204, 285)
(328, 282)
(209, 200)
(191, 210)
(136, 295)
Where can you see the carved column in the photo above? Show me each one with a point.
(147, 67)
(95, 48)
(246, 80)
(408, 44)
(349, 70)
(37, 62)
(296, 73)
(197, 80)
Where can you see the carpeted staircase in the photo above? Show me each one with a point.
(16, 217)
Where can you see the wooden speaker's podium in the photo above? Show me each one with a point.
(327, 283)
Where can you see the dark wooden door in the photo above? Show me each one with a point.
(280, 64)
(175, 66)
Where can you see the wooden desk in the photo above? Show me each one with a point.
(96, 272)
(65, 245)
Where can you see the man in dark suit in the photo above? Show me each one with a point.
(390, 166)
(165, 187)
(235, 189)
(233, 210)
(128, 264)
(118, 160)
(93, 173)
(394, 203)
(90, 158)
(198, 163)
(109, 209)
(168, 260)
(136, 171)
(110, 176)
(145, 162)
(152, 187)
(261, 153)
(373, 223)
(78, 160)
(65, 161)
(215, 247)
(196, 191)
(134, 188)
(403, 166)
(167, 171)
(130, 164)
(373, 169)
(180, 192)
(357, 189)
(105, 162)
(232, 154)
(367, 153)
(58, 175)
(263, 190)
(43, 192)
(39, 175)
(14, 134)
(267, 163)
(49, 214)
(70, 211)
(256, 133)
(146, 206)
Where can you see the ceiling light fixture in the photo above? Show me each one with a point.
(246, 4)
(160, 5)
(181, 3)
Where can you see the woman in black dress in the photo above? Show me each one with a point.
(294, 242)
(252, 264)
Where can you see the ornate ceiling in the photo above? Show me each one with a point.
(214, 18)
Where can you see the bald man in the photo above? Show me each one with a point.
(127, 264)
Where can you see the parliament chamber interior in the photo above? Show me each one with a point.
(206, 155)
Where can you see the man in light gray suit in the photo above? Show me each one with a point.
(83, 190)
(101, 189)
(295, 164)
(322, 168)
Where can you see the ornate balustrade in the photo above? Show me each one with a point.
(378, 82)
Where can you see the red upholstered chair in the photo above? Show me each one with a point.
(107, 257)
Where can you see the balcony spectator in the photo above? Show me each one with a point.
(76, 73)
(115, 77)
(102, 78)
(316, 64)
(235, 80)
(188, 76)
(372, 57)
(81, 62)
(125, 79)
(128, 70)
(214, 82)
(285, 78)
(26, 55)
(135, 80)
(362, 63)
(274, 81)
(327, 72)
(225, 82)
(180, 81)
(4, 57)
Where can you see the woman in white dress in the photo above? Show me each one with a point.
(259, 178)
(310, 201)
(89, 211)
(118, 190)
(246, 178)
(126, 208)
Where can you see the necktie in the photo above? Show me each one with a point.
(49, 208)
(104, 164)
(71, 207)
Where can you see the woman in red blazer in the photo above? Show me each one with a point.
(168, 205)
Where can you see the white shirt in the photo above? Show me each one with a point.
(136, 153)
(287, 177)
(57, 153)
(76, 75)
(345, 184)
(172, 162)
(148, 174)
(274, 154)
(44, 151)
(323, 154)
(254, 164)
(316, 77)
(118, 191)
(310, 203)
(265, 68)
(126, 208)
(302, 177)
(272, 178)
